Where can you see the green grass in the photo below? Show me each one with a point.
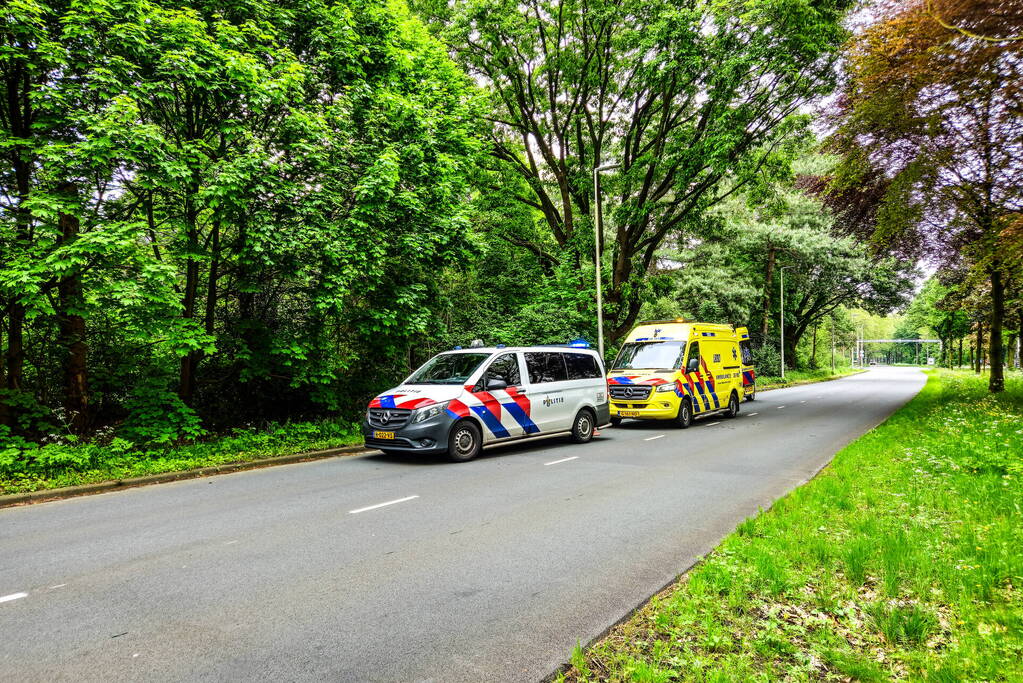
(797, 377)
(903, 560)
(58, 465)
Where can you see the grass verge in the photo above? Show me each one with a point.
(59, 465)
(901, 560)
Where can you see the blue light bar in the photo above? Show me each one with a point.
(500, 346)
(457, 348)
(579, 344)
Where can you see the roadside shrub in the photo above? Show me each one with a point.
(767, 361)
(157, 417)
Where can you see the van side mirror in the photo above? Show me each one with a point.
(494, 383)
(694, 364)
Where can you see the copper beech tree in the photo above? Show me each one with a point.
(933, 112)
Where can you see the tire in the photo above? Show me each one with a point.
(753, 396)
(685, 414)
(733, 406)
(616, 422)
(583, 425)
(464, 442)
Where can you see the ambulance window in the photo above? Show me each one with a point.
(694, 357)
(582, 366)
(747, 353)
(546, 366)
(505, 368)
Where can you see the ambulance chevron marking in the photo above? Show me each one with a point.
(709, 382)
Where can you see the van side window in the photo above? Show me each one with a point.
(693, 364)
(505, 367)
(747, 352)
(546, 366)
(582, 366)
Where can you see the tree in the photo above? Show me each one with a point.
(938, 114)
(681, 96)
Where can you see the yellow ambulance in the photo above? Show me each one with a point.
(677, 370)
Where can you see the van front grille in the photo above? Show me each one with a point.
(629, 392)
(388, 418)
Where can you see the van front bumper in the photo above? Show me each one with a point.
(430, 436)
(654, 410)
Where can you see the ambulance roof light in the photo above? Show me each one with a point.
(458, 348)
(579, 344)
(476, 344)
(500, 346)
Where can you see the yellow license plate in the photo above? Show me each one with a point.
(383, 435)
(629, 413)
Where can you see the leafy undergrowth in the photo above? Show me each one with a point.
(27, 467)
(901, 561)
(797, 377)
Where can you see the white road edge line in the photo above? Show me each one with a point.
(13, 596)
(555, 462)
(659, 436)
(380, 505)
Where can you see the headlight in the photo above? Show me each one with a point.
(426, 412)
(666, 387)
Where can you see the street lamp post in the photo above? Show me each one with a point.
(781, 316)
(598, 231)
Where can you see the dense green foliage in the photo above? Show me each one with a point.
(899, 562)
(222, 214)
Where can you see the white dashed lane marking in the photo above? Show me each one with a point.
(752, 414)
(13, 596)
(651, 438)
(380, 505)
(780, 407)
(555, 462)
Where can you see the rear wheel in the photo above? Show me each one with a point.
(616, 422)
(464, 442)
(685, 414)
(733, 406)
(582, 427)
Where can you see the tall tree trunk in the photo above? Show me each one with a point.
(980, 348)
(996, 383)
(186, 384)
(71, 327)
(960, 353)
(766, 305)
(813, 351)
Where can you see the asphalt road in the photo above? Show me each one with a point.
(490, 570)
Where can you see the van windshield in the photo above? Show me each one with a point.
(448, 368)
(653, 355)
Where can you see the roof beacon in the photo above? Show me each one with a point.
(476, 344)
(579, 344)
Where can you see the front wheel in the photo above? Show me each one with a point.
(582, 428)
(464, 442)
(685, 414)
(733, 406)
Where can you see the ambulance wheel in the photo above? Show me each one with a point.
(464, 442)
(582, 428)
(685, 414)
(733, 406)
(753, 395)
(616, 422)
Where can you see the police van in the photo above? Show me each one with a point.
(678, 370)
(464, 400)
